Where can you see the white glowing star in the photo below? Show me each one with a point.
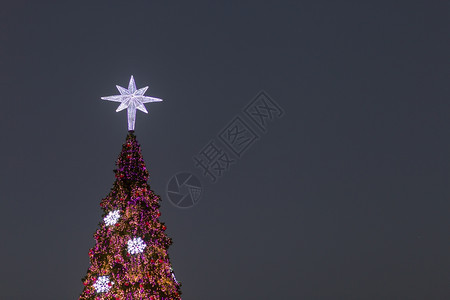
(112, 218)
(131, 99)
(102, 284)
(136, 246)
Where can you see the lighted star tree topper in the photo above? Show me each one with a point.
(131, 99)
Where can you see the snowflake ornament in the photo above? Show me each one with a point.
(112, 218)
(102, 284)
(136, 246)
(131, 99)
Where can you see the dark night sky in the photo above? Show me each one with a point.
(345, 197)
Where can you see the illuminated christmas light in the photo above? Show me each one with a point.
(173, 275)
(112, 218)
(136, 246)
(131, 245)
(131, 99)
(102, 284)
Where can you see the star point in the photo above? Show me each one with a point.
(131, 99)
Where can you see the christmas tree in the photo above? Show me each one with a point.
(130, 259)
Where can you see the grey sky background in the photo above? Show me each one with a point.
(345, 197)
